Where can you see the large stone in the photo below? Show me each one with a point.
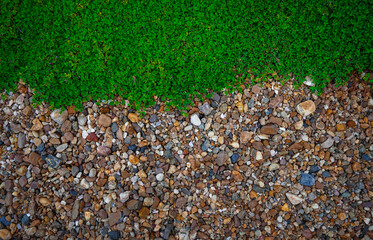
(114, 218)
(180, 202)
(34, 159)
(59, 117)
(306, 108)
(307, 180)
(222, 158)
(21, 140)
(246, 136)
(66, 126)
(294, 199)
(144, 212)
(194, 119)
(102, 150)
(205, 108)
(133, 117)
(269, 129)
(61, 147)
(134, 204)
(75, 210)
(52, 161)
(276, 101)
(5, 234)
(37, 126)
(104, 120)
(328, 143)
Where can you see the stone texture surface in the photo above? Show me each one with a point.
(262, 164)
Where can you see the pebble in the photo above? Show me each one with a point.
(153, 118)
(133, 117)
(5, 234)
(306, 108)
(44, 201)
(59, 117)
(102, 150)
(234, 158)
(114, 235)
(328, 143)
(307, 179)
(52, 161)
(273, 167)
(62, 147)
(104, 120)
(160, 177)
(294, 199)
(205, 109)
(194, 119)
(221, 158)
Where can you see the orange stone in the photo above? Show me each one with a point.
(285, 207)
(341, 127)
(133, 160)
(144, 212)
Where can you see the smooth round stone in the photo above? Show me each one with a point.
(160, 177)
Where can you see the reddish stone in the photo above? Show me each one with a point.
(92, 137)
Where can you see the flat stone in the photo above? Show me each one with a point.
(5, 234)
(62, 147)
(306, 108)
(276, 101)
(275, 120)
(52, 161)
(134, 204)
(21, 171)
(223, 108)
(273, 167)
(104, 120)
(84, 183)
(256, 89)
(180, 202)
(21, 140)
(82, 120)
(133, 160)
(153, 118)
(114, 235)
(75, 209)
(205, 108)
(294, 199)
(341, 127)
(104, 151)
(269, 129)
(37, 125)
(34, 159)
(66, 126)
(307, 179)
(44, 202)
(328, 143)
(222, 158)
(16, 128)
(92, 137)
(245, 136)
(298, 125)
(114, 218)
(59, 118)
(144, 212)
(133, 117)
(194, 119)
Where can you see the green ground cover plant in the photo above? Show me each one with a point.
(73, 51)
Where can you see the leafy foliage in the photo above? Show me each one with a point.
(72, 52)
